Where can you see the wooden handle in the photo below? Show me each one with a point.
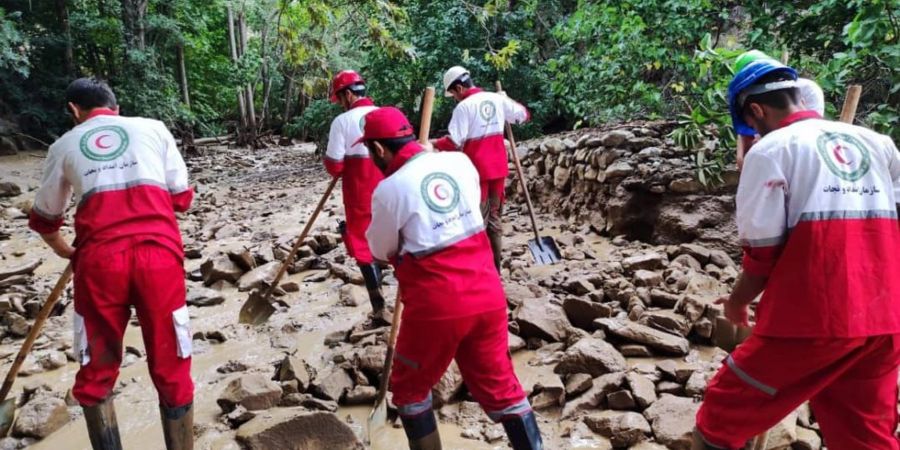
(42, 316)
(427, 108)
(290, 257)
(848, 113)
(391, 343)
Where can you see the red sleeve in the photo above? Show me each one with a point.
(760, 261)
(42, 224)
(445, 144)
(334, 168)
(182, 201)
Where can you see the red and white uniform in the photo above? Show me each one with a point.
(360, 175)
(128, 179)
(477, 129)
(817, 215)
(425, 219)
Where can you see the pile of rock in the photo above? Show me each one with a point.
(631, 181)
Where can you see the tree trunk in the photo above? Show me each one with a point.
(234, 57)
(182, 75)
(251, 112)
(133, 12)
(62, 13)
(289, 99)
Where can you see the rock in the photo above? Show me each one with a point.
(9, 189)
(239, 416)
(541, 319)
(52, 359)
(243, 259)
(331, 384)
(16, 324)
(616, 138)
(600, 388)
(807, 440)
(582, 312)
(290, 286)
(202, 296)
(642, 389)
(621, 400)
(371, 360)
(580, 286)
(783, 434)
(645, 261)
(578, 383)
(448, 387)
(259, 277)
(696, 384)
(704, 328)
(663, 299)
(361, 395)
(352, 295)
(670, 387)
(635, 351)
(692, 307)
(668, 321)
(515, 343)
(647, 278)
(23, 269)
(672, 421)
(297, 429)
(561, 178)
(646, 445)
(252, 391)
(685, 186)
(699, 252)
(623, 429)
(687, 262)
(655, 339)
(220, 267)
(720, 258)
(554, 145)
(619, 169)
(40, 417)
(592, 356)
(295, 369)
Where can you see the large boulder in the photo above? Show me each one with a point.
(592, 356)
(297, 429)
(622, 428)
(541, 319)
(253, 391)
(331, 384)
(672, 420)
(259, 277)
(582, 312)
(40, 417)
(642, 334)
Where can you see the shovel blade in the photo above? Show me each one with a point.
(256, 310)
(377, 420)
(544, 251)
(7, 415)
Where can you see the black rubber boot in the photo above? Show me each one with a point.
(103, 430)
(422, 432)
(496, 239)
(698, 443)
(178, 426)
(372, 274)
(523, 432)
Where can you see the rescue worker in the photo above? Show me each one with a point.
(476, 128)
(811, 98)
(350, 161)
(129, 179)
(817, 217)
(425, 221)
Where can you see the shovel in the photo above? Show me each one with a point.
(8, 406)
(378, 416)
(257, 309)
(543, 249)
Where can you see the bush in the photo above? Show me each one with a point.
(314, 123)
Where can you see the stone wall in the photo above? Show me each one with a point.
(630, 180)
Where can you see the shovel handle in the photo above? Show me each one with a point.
(851, 101)
(290, 257)
(42, 316)
(518, 164)
(427, 108)
(389, 356)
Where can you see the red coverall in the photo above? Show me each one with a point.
(828, 322)
(360, 176)
(128, 178)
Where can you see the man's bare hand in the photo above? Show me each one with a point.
(64, 252)
(735, 313)
(58, 244)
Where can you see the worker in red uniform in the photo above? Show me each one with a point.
(476, 128)
(349, 160)
(426, 222)
(817, 217)
(128, 179)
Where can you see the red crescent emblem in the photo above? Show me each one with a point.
(437, 192)
(99, 141)
(839, 157)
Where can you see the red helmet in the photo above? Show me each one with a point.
(343, 80)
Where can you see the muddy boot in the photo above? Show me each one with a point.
(495, 236)
(422, 432)
(103, 429)
(372, 275)
(698, 443)
(178, 426)
(523, 432)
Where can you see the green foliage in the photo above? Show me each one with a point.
(13, 55)
(314, 123)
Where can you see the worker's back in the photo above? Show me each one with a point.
(822, 196)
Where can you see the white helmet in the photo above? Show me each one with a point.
(451, 75)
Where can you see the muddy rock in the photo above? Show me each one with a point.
(16, 324)
(40, 417)
(292, 368)
(663, 299)
(699, 252)
(642, 389)
(361, 395)
(692, 307)
(331, 384)
(784, 433)
(616, 138)
(721, 259)
(579, 287)
(807, 440)
(515, 343)
(620, 400)
(353, 295)
(578, 383)
(642, 334)
(243, 259)
(9, 189)
(622, 428)
(371, 360)
(600, 388)
(696, 384)
(581, 312)
(647, 278)
(668, 321)
(297, 429)
(541, 319)
(259, 277)
(644, 261)
(24, 269)
(592, 356)
(252, 391)
(220, 267)
(449, 386)
(672, 420)
(201, 296)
